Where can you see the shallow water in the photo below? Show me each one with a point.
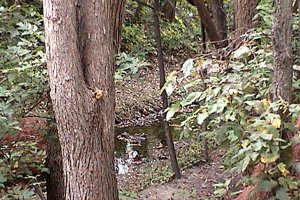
(128, 154)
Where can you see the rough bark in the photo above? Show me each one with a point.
(244, 12)
(282, 37)
(298, 50)
(220, 19)
(208, 23)
(81, 39)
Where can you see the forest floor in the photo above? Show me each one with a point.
(196, 183)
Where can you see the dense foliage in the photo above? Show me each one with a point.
(22, 61)
(228, 99)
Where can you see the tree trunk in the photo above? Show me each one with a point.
(208, 24)
(244, 11)
(168, 9)
(219, 17)
(164, 97)
(81, 40)
(298, 50)
(55, 181)
(282, 38)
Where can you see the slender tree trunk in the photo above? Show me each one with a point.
(137, 13)
(164, 97)
(81, 40)
(168, 9)
(220, 19)
(211, 30)
(244, 11)
(282, 38)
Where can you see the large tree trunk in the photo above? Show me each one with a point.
(219, 17)
(244, 11)
(282, 38)
(81, 39)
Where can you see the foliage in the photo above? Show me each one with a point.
(127, 66)
(21, 166)
(22, 77)
(234, 100)
(135, 41)
(264, 15)
(127, 195)
(137, 37)
(21, 61)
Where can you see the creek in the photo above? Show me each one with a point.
(139, 144)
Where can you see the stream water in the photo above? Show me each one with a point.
(138, 144)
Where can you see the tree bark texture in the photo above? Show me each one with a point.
(282, 38)
(81, 40)
(211, 30)
(244, 11)
(220, 19)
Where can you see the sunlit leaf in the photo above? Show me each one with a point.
(172, 110)
(241, 52)
(246, 162)
(187, 67)
(201, 117)
(269, 158)
(265, 136)
(193, 96)
(282, 168)
(266, 103)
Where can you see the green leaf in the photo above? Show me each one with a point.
(201, 117)
(11, 76)
(187, 67)
(266, 185)
(254, 156)
(282, 194)
(190, 98)
(246, 162)
(257, 146)
(269, 158)
(172, 110)
(241, 52)
(265, 136)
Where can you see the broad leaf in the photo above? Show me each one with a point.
(172, 110)
(190, 98)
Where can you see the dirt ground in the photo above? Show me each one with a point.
(196, 183)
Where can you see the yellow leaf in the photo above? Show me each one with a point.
(276, 123)
(268, 158)
(282, 168)
(266, 103)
